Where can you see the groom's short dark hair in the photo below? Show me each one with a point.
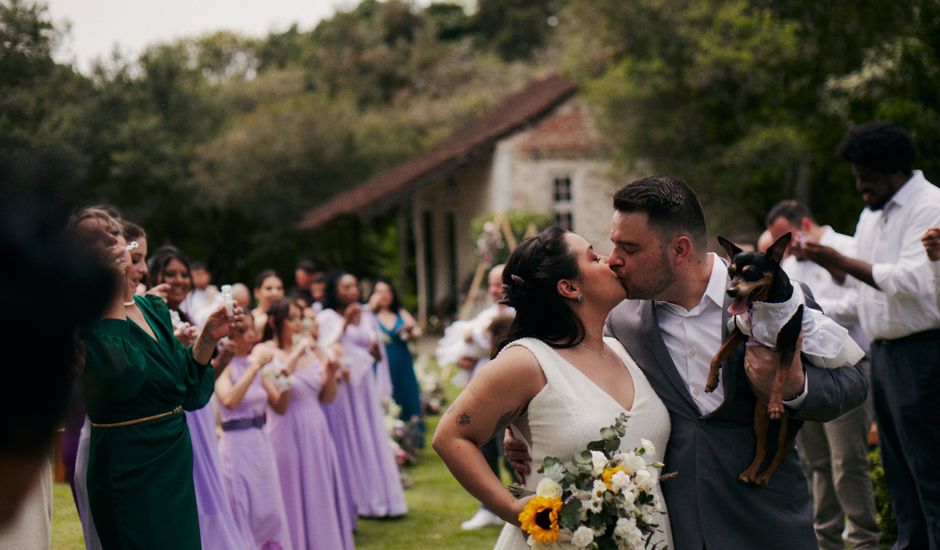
(670, 204)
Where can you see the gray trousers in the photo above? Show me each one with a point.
(906, 383)
(835, 456)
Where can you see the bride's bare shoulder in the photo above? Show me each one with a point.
(514, 362)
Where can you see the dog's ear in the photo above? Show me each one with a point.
(776, 250)
(732, 249)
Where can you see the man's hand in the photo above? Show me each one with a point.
(761, 366)
(518, 456)
(931, 240)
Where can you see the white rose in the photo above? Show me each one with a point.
(629, 497)
(635, 538)
(648, 447)
(548, 488)
(619, 482)
(633, 463)
(583, 537)
(599, 461)
(644, 480)
(624, 528)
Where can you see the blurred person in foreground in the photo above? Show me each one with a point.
(46, 271)
(898, 310)
(835, 453)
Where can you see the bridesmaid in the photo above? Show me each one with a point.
(319, 514)
(398, 326)
(217, 527)
(249, 470)
(355, 417)
(137, 379)
(268, 289)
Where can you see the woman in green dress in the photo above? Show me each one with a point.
(137, 380)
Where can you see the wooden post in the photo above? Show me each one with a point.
(503, 222)
(401, 228)
(474, 290)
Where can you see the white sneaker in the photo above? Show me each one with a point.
(481, 519)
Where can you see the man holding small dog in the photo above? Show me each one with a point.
(672, 323)
(898, 309)
(836, 452)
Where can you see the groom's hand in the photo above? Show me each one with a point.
(517, 453)
(761, 365)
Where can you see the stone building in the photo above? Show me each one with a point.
(539, 151)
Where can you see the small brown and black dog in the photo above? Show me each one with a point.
(757, 277)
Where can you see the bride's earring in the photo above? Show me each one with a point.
(581, 298)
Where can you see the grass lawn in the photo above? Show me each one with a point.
(436, 506)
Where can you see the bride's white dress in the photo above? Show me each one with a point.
(569, 412)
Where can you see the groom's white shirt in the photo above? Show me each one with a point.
(693, 336)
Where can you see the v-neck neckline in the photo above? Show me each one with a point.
(387, 328)
(155, 338)
(598, 386)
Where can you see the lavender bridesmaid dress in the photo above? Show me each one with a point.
(217, 528)
(319, 515)
(249, 471)
(357, 422)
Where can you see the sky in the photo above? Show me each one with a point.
(98, 25)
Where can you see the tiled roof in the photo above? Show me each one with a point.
(568, 129)
(519, 110)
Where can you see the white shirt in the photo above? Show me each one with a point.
(693, 336)
(839, 302)
(889, 239)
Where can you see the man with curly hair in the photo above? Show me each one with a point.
(898, 310)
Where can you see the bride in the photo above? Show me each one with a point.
(556, 380)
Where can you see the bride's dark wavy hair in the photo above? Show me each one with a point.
(530, 286)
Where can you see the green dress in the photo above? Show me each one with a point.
(140, 477)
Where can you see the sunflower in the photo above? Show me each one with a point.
(609, 474)
(539, 518)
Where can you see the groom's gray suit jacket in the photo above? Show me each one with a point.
(708, 506)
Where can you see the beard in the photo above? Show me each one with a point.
(662, 277)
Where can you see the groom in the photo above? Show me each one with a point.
(672, 323)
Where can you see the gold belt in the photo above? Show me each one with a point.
(177, 410)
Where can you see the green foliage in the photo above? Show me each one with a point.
(219, 143)
(724, 94)
(515, 29)
(886, 521)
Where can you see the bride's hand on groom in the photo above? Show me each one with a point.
(761, 363)
(517, 453)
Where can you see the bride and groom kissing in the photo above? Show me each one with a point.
(634, 332)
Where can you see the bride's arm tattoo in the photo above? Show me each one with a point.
(463, 419)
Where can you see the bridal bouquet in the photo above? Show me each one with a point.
(600, 499)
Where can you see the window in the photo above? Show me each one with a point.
(561, 202)
(562, 189)
(562, 220)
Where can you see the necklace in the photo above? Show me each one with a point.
(602, 354)
(129, 304)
